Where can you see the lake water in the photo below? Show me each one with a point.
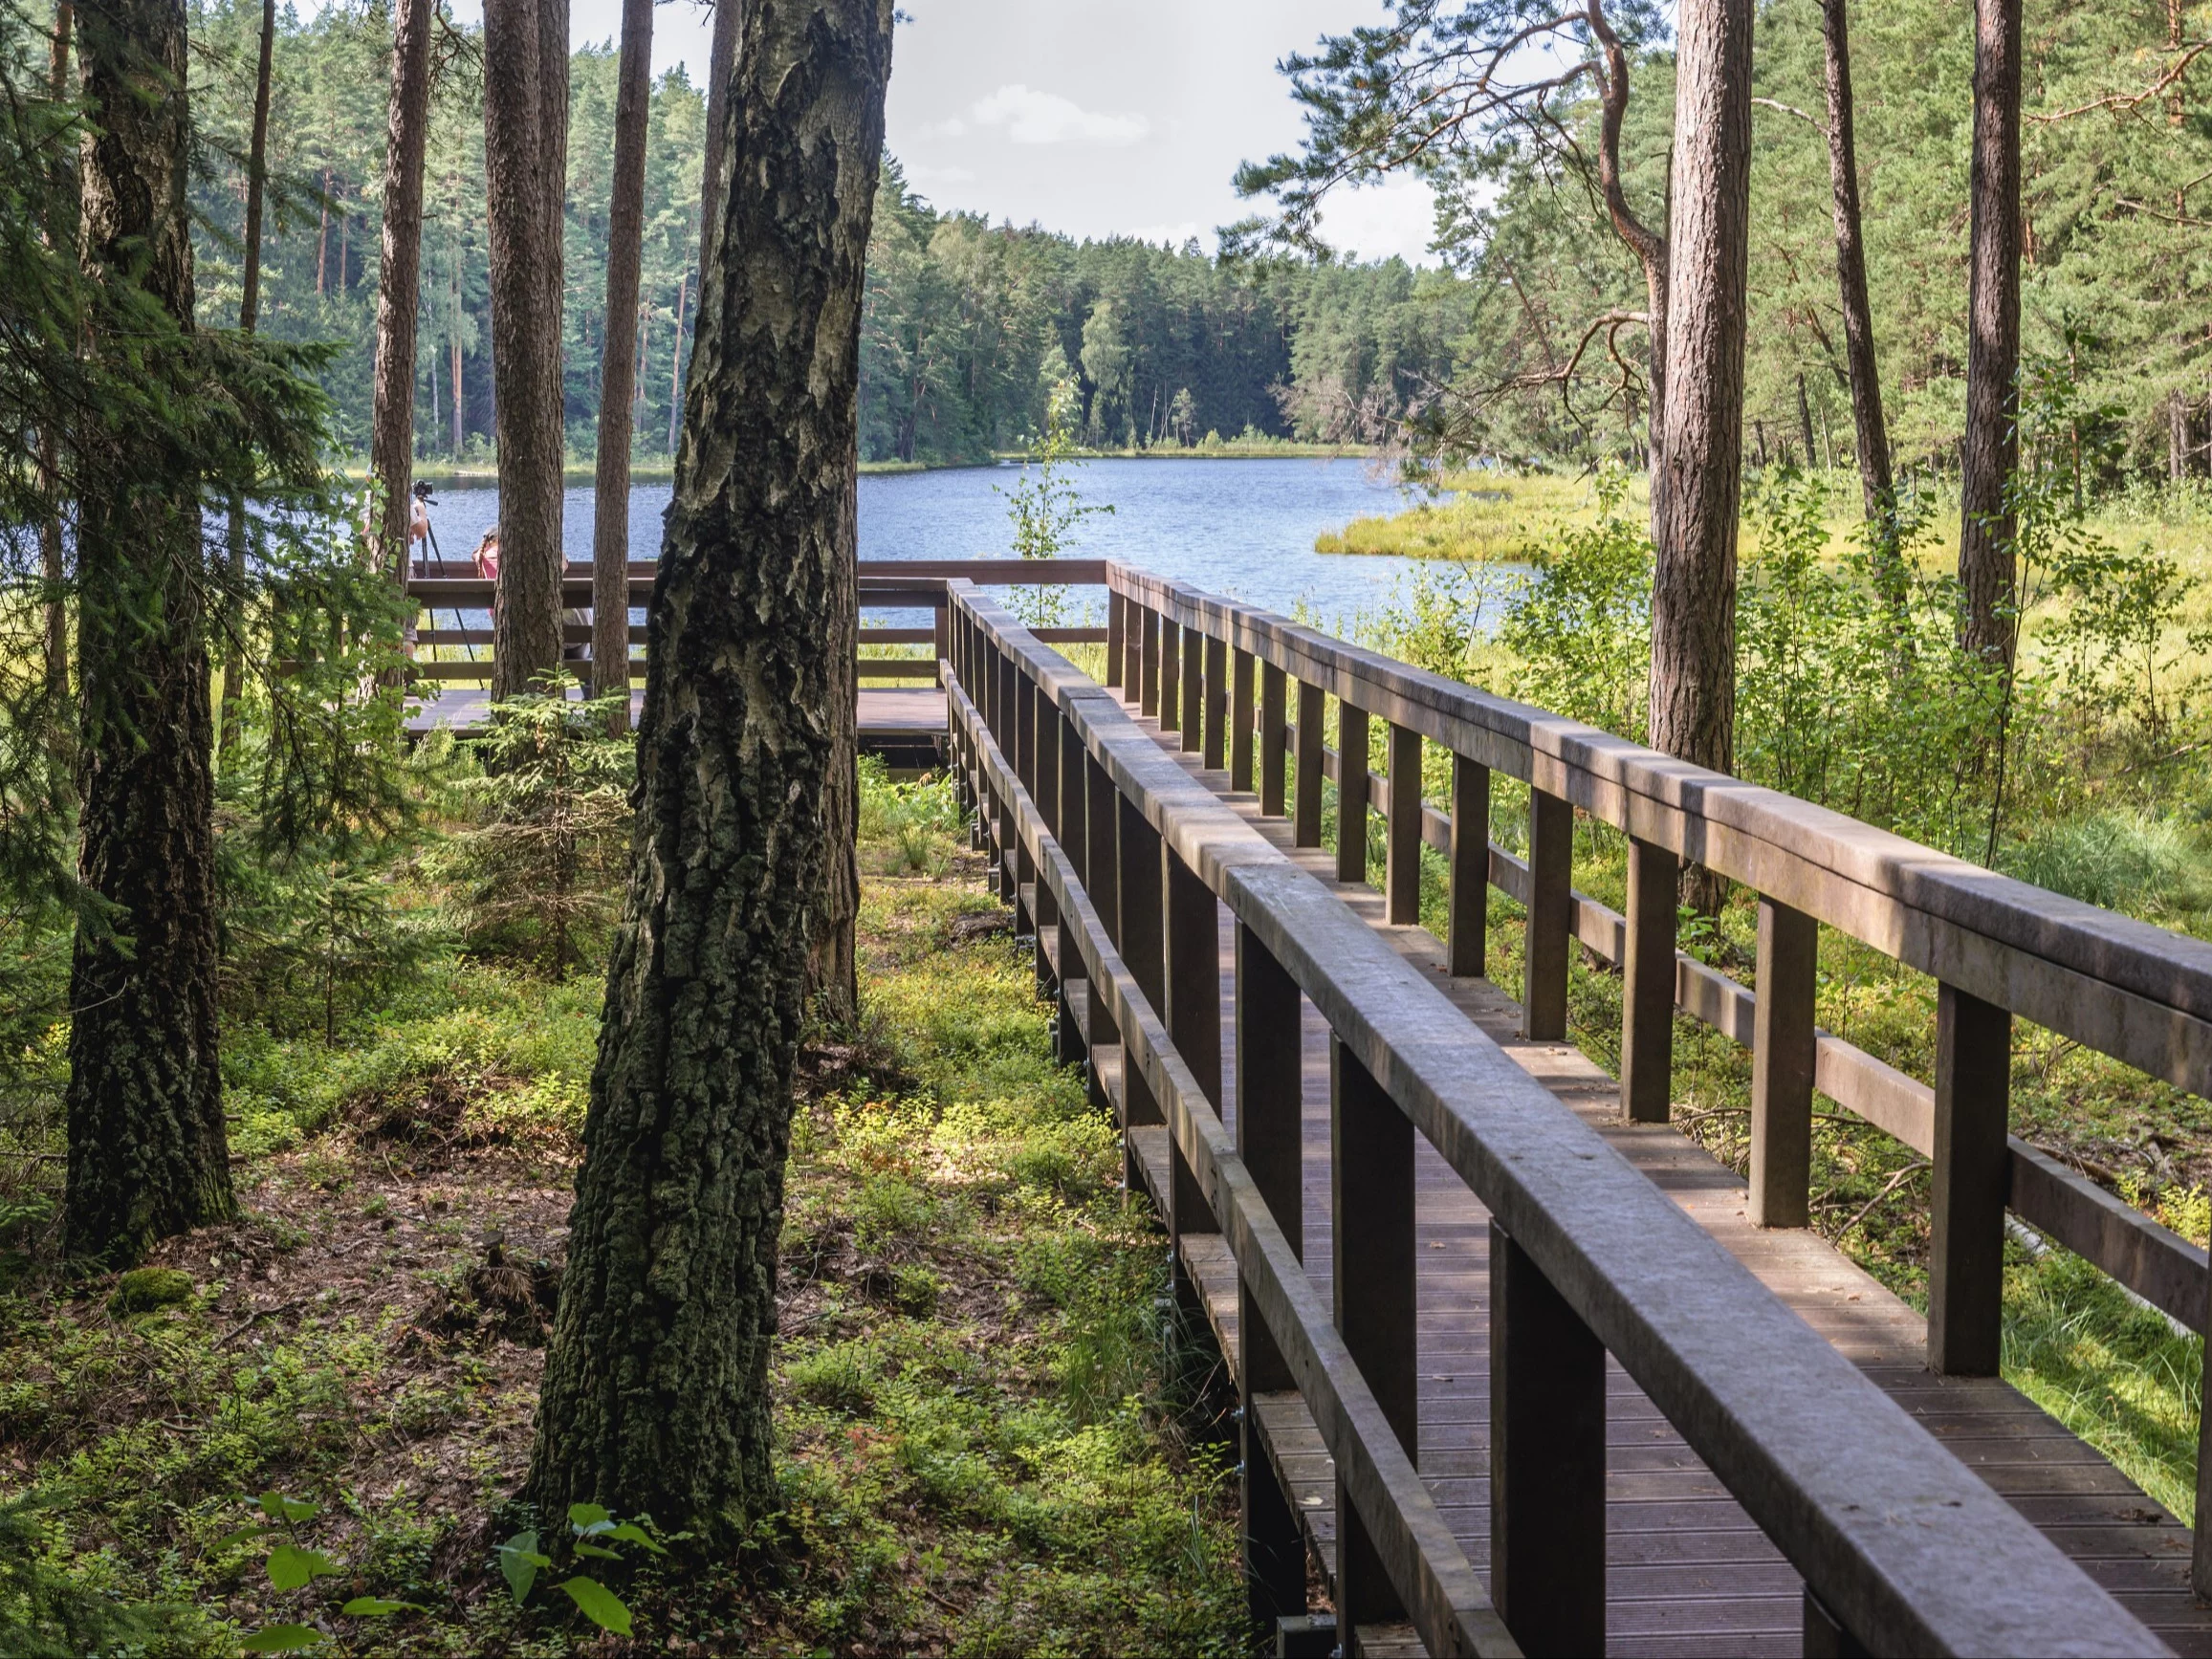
(1243, 528)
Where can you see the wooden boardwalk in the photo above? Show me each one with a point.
(1687, 1571)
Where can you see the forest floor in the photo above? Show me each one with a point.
(987, 1436)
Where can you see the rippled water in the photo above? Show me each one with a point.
(1244, 528)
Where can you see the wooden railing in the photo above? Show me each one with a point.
(451, 587)
(1123, 855)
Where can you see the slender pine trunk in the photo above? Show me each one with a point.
(1986, 565)
(656, 1387)
(147, 1155)
(249, 319)
(611, 537)
(53, 561)
(1693, 685)
(526, 170)
(398, 291)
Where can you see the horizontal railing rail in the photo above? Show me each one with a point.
(1115, 844)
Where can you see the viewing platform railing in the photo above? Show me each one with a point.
(1123, 855)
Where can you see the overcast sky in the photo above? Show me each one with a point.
(1093, 116)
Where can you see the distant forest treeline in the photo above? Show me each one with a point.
(968, 325)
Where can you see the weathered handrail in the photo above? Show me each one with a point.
(1903, 1545)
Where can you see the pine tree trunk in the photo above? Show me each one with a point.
(249, 319)
(1693, 584)
(526, 170)
(53, 561)
(2177, 437)
(656, 1388)
(148, 1156)
(1992, 446)
(1878, 487)
(610, 537)
(676, 364)
(398, 291)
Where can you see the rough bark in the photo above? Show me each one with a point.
(148, 1156)
(618, 375)
(833, 967)
(1992, 446)
(677, 365)
(1694, 584)
(1648, 245)
(249, 319)
(2177, 437)
(399, 292)
(721, 65)
(526, 170)
(1877, 487)
(53, 559)
(656, 1388)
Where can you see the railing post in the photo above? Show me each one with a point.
(1117, 620)
(1470, 860)
(1101, 869)
(1241, 721)
(1193, 705)
(1548, 1461)
(1273, 738)
(941, 639)
(1372, 1262)
(1070, 824)
(1270, 1139)
(1216, 755)
(1782, 1049)
(1973, 1179)
(1648, 987)
(1402, 867)
(1170, 674)
(1148, 663)
(1306, 802)
(1351, 792)
(1044, 791)
(1192, 1016)
(1550, 916)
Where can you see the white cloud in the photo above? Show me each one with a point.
(940, 175)
(1045, 117)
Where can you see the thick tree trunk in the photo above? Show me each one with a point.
(656, 1387)
(526, 170)
(1992, 446)
(53, 561)
(1694, 585)
(617, 375)
(398, 291)
(1877, 487)
(148, 1156)
(249, 319)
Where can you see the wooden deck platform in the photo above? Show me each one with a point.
(892, 719)
(1687, 1571)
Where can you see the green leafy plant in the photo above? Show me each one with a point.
(1046, 507)
(595, 1532)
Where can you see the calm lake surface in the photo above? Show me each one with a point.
(1244, 528)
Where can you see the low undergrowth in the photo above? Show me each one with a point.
(983, 1437)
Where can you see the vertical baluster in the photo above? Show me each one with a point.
(1241, 668)
(1170, 674)
(1139, 896)
(1044, 791)
(1004, 723)
(1470, 860)
(1782, 1042)
(1217, 704)
(1193, 705)
(1648, 985)
(1372, 1260)
(1306, 802)
(1148, 665)
(1270, 1139)
(1401, 869)
(1117, 620)
(1550, 916)
(940, 638)
(1071, 828)
(1548, 1461)
(1351, 792)
(1973, 1178)
(1273, 738)
(1192, 1016)
(1101, 867)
